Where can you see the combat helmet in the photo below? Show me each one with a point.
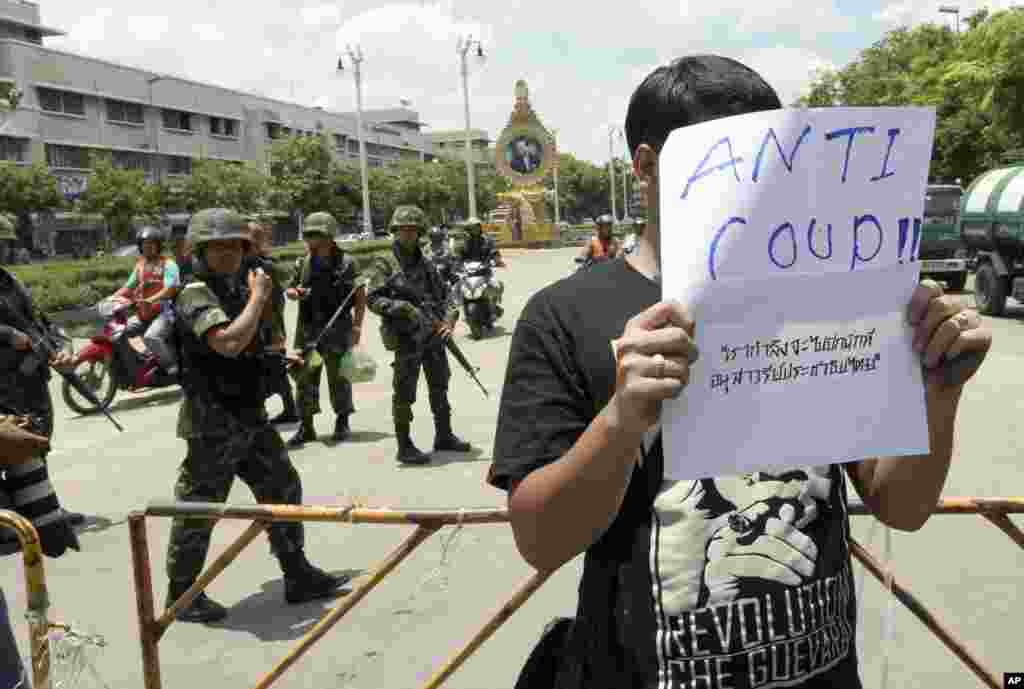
(217, 223)
(409, 216)
(149, 232)
(319, 224)
(7, 228)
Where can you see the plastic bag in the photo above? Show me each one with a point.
(358, 367)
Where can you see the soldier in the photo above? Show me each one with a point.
(25, 393)
(223, 330)
(259, 256)
(418, 313)
(477, 246)
(322, 279)
(440, 256)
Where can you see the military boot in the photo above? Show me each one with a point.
(341, 428)
(303, 582)
(407, 452)
(445, 440)
(305, 434)
(202, 609)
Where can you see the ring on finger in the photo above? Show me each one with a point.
(963, 321)
(659, 361)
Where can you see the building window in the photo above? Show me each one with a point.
(179, 165)
(273, 130)
(339, 142)
(129, 160)
(62, 101)
(175, 119)
(223, 126)
(68, 157)
(119, 111)
(12, 149)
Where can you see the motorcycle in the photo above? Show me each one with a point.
(480, 294)
(111, 362)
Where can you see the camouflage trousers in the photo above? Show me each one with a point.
(258, 457)
(307, 387)
(434, 362)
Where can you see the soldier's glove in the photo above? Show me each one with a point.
(34, 498)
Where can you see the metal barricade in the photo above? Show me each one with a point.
(427, 522)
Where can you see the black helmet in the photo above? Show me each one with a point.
(149, 232)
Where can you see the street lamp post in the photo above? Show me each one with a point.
(611, 169)
(462, 48)
(952, 9)
(554, 135)
(356, 56)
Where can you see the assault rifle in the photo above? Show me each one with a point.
(311, 346)
(449, 343)
(46, 350)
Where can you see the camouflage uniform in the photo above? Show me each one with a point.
(224, 423)
(329, 282)
(25, 392)
(277, 381)
(398, 279)
(476, 246)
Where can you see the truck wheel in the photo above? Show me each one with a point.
(989, 291)
(956, 283)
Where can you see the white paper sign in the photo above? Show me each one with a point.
(792, 238)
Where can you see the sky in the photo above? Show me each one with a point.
(580, 60)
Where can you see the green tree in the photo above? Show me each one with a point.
(27, 190)
(304, 178)
(220, 184)
(119, 196)
(583, 188)
(974, 81)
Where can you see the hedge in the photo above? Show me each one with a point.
(65, 285)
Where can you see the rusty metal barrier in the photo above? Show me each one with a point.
(38, 598)
(427, 522)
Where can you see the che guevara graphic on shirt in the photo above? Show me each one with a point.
(751, 575)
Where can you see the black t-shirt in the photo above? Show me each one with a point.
(733, 582)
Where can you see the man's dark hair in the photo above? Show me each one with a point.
(693, 89)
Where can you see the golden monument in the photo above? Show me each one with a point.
(524, 154)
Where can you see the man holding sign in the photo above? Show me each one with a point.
(727, 565)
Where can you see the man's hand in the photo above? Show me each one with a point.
(17, 444)
(260, 284)
(62, 360)
(443, 329)
(296, 293)
(22, 342)
(653, 359)
(951, 339)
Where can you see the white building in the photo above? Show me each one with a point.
(73, 104)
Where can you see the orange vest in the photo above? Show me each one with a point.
(148, 284)
(601, 249)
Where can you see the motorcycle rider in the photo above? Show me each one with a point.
(25, 393)
(603, 246)
(440, 255)
(152, 286)
(477, 246)
(322, 279)
(416, 334)
(259, 256)
(223, 328)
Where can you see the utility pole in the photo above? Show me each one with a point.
(611, 170)
(554, 135)
(462, 48)
(357, 58)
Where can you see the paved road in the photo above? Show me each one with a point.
(414, 621)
